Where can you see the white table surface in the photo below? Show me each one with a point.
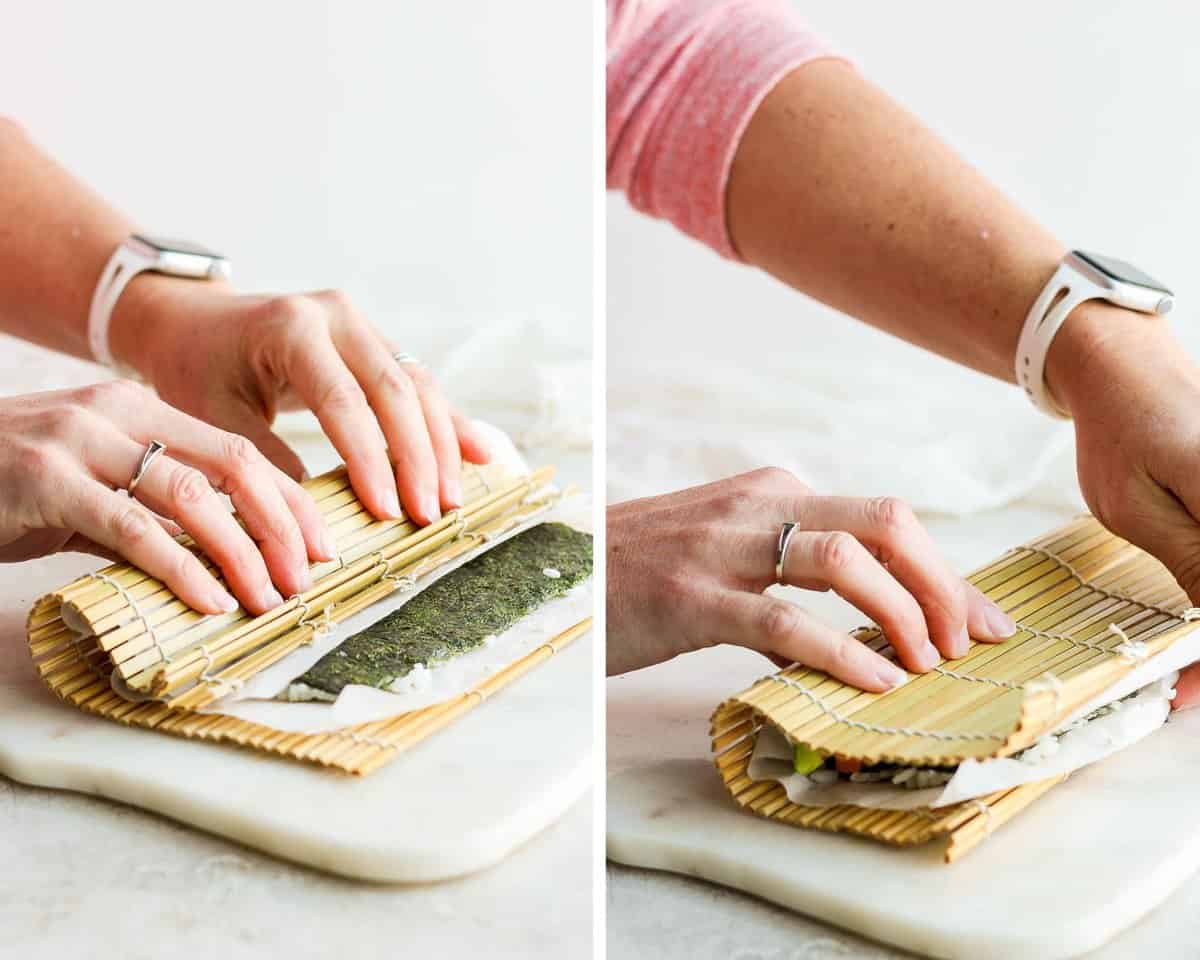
(663, 915)
(86, 877)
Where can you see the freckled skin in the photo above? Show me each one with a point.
(452, 617)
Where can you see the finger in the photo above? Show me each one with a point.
(471, 444)
(442, 435)
(396, 401)
(126, 528)
(287, 532)
(1187, 688)
(985, 620)
(231, 464)
(333, 393)
(890, 527)
(184, 494)
(286, 473)
(840, 560)
(1162, 526)
(250, 424)
(773, 626)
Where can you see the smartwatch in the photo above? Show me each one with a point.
(140, 253)
(1081, 276)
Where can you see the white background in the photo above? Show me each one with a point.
(434, 160)
(1084, 113)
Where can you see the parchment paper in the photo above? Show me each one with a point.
(1137, 719)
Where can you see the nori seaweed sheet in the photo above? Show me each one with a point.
(452, 617)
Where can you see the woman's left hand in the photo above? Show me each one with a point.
(1134, 395)
(236, 361)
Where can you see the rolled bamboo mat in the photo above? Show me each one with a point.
(117, 643)
(121, 621)
(359, 749)
(1089, 608)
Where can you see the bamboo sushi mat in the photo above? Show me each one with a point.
(118, 629)
(1089, 608)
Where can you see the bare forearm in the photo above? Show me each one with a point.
(55, 237)
(840, 192)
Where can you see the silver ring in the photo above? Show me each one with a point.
(781, 548)
(153, 449)
(401, 357)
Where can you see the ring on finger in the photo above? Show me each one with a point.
(786, 529)
(401, 357)
(153, 450)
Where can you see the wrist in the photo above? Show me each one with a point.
(147, 317)
(1096, 335)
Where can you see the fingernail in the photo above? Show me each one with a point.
(961, 644)
(223, 600)
(270, 598)
(429, 507)
(454, 492)
(928, 657)
(391, 505)
(304, 578)
(999, 622)
(890, 675)
(327, 546)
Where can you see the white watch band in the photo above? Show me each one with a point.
(1067, 289)
(125, 264)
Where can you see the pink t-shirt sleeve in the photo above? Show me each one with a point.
(684, 79)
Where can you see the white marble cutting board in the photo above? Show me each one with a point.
(456, 803)
(1079, 866)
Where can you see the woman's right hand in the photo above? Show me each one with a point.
(688, 570)
(65, 454)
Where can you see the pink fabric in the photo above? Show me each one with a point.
(684, 79)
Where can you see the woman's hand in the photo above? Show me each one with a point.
(237, 360)
(688, 570)
(1135, 397)
(63, 456)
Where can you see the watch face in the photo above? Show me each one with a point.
(1120, 271)
(167, 245)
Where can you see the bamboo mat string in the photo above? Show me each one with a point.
(224, 683)
(1190, 614)
(874, 728)
(137, 612)
(1132, 651)
(1006, 684)
(985, 811)
(1047, 681)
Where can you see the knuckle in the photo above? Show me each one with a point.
(289, 308)
(110, 392)
(780, 621)
(67, 421)
(835, 550)
(187, 487)
(395, 381)
(734, 502)
(338, 300)
(342, 395)
(837, 657)
(294, 313)
(700, 538)
(773, 478)
(239, 452)
(676, 591)
(892, 514)
(130, 525)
